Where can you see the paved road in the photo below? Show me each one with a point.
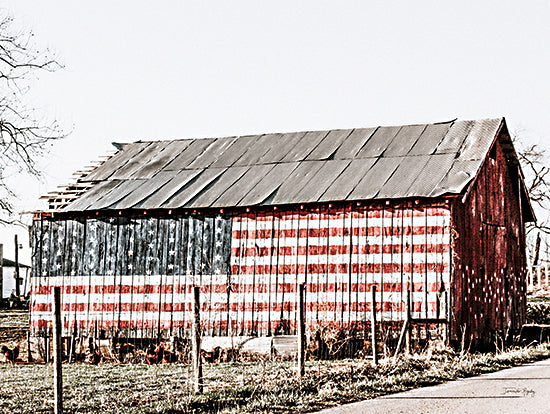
(524, 389)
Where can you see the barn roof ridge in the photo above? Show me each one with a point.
(150, 140)
(372, 163)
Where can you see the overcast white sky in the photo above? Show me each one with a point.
(175, 69)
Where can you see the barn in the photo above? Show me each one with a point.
(435, 209)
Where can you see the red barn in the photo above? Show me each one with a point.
(437, 209)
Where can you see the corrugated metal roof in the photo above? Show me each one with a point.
(301, 167)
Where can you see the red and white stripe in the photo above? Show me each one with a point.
(339, 253)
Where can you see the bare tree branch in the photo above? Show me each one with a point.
(24, 135)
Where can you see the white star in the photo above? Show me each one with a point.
(152, 245)
(148, 273)
(172, 240)
(172, 252)
(58, 266)
(218, 243)
(109, 272)
(217, 257)
(151, 232)
(73, 273)
(45, 247)
(130, 266)
(170, 266)
(130, 252)
(44, 260)
(44, 273)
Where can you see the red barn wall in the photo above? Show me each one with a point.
(489, 279)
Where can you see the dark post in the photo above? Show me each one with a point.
(301, 330)
(47, 347)
(197, 362)
(409, 320)
(29, 353)
(373, 324)
(57, 355)
(1, 271)
(16, 273)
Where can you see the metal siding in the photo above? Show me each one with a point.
(116, 194)
(267, 185)
(218, 188)
(305, 146)
(434, 171)
(211, 153)
(353, 143)
(191, 152)
(407, 172)
(90, 197)
(117, 161)
(480, 138)
(255, 150)
(453, 182)
(164, 156)
(243, 186)
(194, 188)
(403, 141)
(290, 189)
(370, 183)
(281, 147)
(454, 138)
(328, 172)
(378, 142)
(137, 162)
(469, 141)
(234, 152)
(329, 145)
(344, 184)
(158, 197)
(145, 189)
(430, 139)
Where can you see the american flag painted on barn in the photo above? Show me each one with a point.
(135, 276)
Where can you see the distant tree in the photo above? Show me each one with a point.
(534, 162)
(24, 134)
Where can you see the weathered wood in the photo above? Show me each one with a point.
(373, 325)
(404, 330)
(197, 361)
(408, 318)
(301, 330)
(57, 346)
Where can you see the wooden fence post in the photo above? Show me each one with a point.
(1, 271)
(57, 372)
(197, 361)
(29, 353)
(409, 345)
(301, 331)
(373, 324)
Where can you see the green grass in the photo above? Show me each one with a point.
(239, 387)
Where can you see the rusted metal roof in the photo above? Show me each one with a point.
(426, 160)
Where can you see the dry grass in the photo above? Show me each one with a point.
(265, 387)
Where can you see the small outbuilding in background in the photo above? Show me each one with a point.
(435, 209)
